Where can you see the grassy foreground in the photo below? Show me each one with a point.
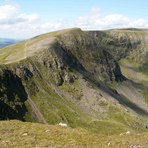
(16, 134)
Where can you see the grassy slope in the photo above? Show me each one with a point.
(21, 50)
(133, 72)
(12, 50)
(56, 109)
(17, 134)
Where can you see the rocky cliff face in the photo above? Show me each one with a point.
(64, 65)
(81, 47)
(13, 95)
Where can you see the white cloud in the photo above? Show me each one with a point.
(7, 12)
(95, 20)
(15, 24)
(31, 18)
(140, 23)
(88, 20)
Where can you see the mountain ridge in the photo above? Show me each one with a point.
(76, 77)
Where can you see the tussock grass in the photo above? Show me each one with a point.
(27, 135)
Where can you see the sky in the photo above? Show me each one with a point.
(22, 19)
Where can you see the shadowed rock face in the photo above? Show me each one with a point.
(80, 50)
(12, 96)
(60, 58)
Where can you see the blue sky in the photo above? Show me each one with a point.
(27, 18)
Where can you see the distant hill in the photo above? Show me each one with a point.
(5, 42)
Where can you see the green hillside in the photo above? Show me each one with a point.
(94, 81)
(18, 134)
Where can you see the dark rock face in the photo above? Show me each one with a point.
(27, 74)
(110, 69)
(12, 96)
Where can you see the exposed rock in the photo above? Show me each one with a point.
(26, 74)
(135, 146)
(69, 78)
(25, 134)
(58, 80)
(103, 102)
(128, 132)
(47, 131)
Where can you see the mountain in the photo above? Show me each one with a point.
(94, 80)
(5, 42)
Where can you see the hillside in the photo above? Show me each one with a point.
(18, 134)
(94, 80)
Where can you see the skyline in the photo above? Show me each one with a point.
(25, 19)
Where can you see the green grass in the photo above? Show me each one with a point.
(107, 127)
(29, 116)
(56, 109)
(144, 91)
(127, 119)
(144, 67)
(18, 134)
(16, 50)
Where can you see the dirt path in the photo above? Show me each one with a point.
(25, 48)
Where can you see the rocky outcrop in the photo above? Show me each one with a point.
(81, 51)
